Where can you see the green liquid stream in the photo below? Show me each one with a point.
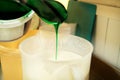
(56, 26)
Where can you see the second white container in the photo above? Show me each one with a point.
(13, 17)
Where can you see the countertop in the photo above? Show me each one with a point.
(102, 71)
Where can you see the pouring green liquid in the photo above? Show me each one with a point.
(51, 12)
(56, 26)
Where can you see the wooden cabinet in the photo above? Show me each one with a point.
(107, 35)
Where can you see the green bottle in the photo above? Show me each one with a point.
(50, 11)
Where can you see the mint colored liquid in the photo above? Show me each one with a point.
(56, 26)
(51, 12)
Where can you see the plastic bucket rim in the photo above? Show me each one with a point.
(16, 22)
(26, 40)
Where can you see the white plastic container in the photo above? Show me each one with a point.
(13, 29)
(38, 57)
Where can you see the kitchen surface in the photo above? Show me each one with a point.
(102, 71)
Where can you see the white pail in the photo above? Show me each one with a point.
(13, 29)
